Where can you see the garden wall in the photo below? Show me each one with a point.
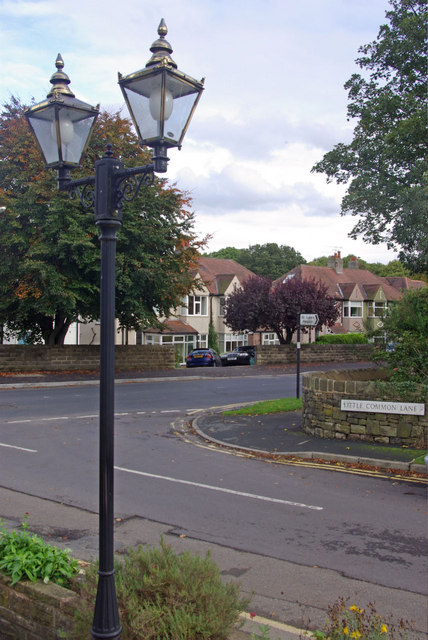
(83, 357)
(323, 417)
(35, 611)
(286, 353)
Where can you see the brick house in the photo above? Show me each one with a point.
(362, 296)
(188, 326)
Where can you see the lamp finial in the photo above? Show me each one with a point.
(161, 49)
(60, 80)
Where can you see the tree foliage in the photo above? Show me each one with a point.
(385, 164)
(49, 247)
(265, 260)
(260, 306)
(406, 330)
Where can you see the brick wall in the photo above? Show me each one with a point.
(286, 353)
(323, 417)
(34, 611)
(83, 357)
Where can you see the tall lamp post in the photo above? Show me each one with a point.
(161, 100)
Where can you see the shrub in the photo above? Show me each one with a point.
(166, 596)
(406, 331)
(343, 338)
(28, 557)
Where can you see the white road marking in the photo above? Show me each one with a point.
(221, 489)
(11, 446)
(171, 411)
(18, 421)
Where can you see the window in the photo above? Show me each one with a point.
(222, 305)
(352, 309)
(270, 338)
(233, 340)
(377, 309)
(197, 306)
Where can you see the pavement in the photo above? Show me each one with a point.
(281, 435)
(287, 598)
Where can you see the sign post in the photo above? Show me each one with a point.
(303, 320)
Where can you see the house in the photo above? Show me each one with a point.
(188, 326)
(363, 297)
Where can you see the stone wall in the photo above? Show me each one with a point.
(323, 417)
(83, 357)
(35, 611)
(286, 353)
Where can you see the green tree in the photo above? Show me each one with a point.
(406, 329)
(49, 247)
(385, 164)
(229, 253)
(265, 260)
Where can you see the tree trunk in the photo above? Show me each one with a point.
(288, 335)
(58, 330)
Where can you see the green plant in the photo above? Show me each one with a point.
(213, 338)
(264, 633)
(402, 390)
(166, 596)
(267, 406)
(346, 623)
(406, 331)
(24, 556)
(343, 338)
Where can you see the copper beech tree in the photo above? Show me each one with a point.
(259, 305)
(49, 247)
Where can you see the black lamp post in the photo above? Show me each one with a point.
(161, 102)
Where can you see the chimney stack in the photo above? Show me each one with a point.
(335, 262)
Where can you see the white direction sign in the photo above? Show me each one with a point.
(309, 319)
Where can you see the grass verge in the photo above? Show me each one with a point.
(267, 406)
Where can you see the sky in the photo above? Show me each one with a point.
(273, 104)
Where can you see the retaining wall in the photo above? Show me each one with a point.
(35, 611)
(323, 417)
(286, 353)
(83, 357)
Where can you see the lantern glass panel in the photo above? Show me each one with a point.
(62, 133)
(147, 95)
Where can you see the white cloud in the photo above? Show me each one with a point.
(274, 101)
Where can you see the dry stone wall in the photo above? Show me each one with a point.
(35, 611)
(286, 353)
(323, 417)
(83, 357)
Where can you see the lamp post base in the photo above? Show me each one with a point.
(106, 615)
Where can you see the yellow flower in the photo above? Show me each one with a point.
(345, 631)
(384, 629)
(354, 608)
(355, 634)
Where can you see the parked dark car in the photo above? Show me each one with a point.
(240, 355)
(203, 358)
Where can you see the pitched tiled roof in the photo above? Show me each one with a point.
(404, 284)
(174, 326)
(218, 273)
(341, 285)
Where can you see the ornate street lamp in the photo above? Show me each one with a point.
(161, 101)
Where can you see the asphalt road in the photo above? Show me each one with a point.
(364, 528)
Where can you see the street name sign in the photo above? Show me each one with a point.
(383, 406)
(309, 319)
